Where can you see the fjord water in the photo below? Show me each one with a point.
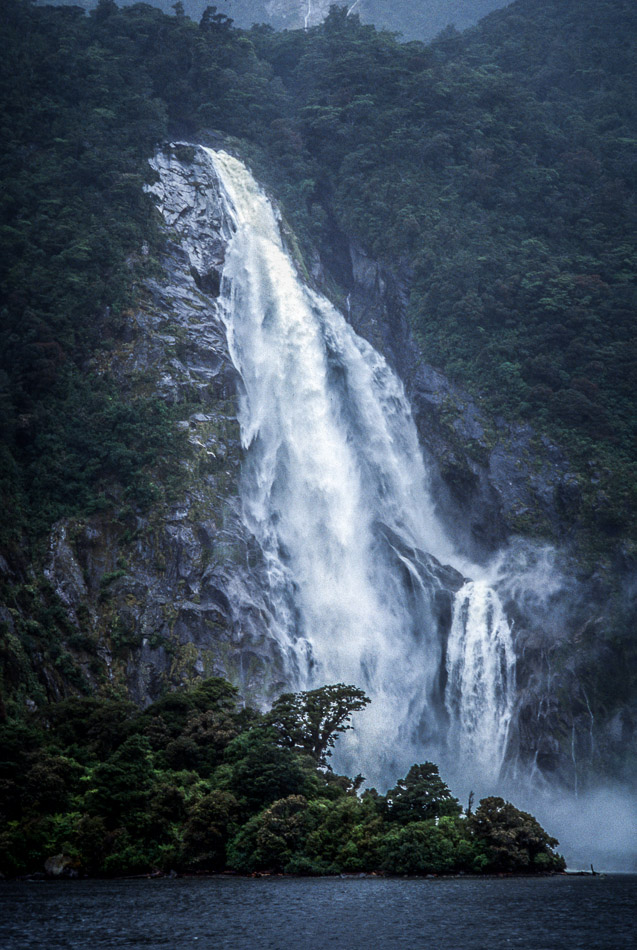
(298, 914)
(337, 495)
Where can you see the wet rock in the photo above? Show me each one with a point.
(492, 479)
(64, 571)
(166, 596)
(60, 865)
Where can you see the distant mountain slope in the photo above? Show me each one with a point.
(414, 19)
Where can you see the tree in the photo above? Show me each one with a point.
(104, 9)
(271, 839)
(212, 20)
(418, 848)
(311, 721)
(262, 772)
(201, 743)
(207, 829)
(421, 795)
(513, 839)
(178, 707)
(121, 786)
(347, 836)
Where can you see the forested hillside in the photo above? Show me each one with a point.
(495, 168)
(498, 165)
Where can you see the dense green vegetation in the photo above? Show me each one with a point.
(77, 125)
(497, 165)
(194, 783)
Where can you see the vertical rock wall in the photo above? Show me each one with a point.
(175, 593)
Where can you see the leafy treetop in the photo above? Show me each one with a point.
(312, 720)
(515, 840)
(421, 795)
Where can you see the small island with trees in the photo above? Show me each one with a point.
(198, 783)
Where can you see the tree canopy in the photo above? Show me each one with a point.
(513, 839)
(313, 720)
(421, 795)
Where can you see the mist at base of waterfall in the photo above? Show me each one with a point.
(598, 826)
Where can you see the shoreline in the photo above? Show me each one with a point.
(43, 877)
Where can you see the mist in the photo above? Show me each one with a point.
(598, 827)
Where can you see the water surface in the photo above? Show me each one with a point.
(564, 913)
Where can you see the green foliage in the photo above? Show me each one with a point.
(419, 848)
(207, 830)
(420, 796)
(191, 729)
(121, 785)
(269, 840)
(90, 779)
(262, 771)
(313, 720)
(512, 839)
(347, 835)
(76, 122)
(37, 625)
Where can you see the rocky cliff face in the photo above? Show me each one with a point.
(177, 593)
(493, 480)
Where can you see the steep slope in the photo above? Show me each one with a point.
(148, 599)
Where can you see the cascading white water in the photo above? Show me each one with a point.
(481, 671)
(336, 493)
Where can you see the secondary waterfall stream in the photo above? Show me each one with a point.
(365, 586)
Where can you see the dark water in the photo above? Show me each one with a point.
(292, 914)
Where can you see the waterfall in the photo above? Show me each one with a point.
(481, 671)
(365, 585)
